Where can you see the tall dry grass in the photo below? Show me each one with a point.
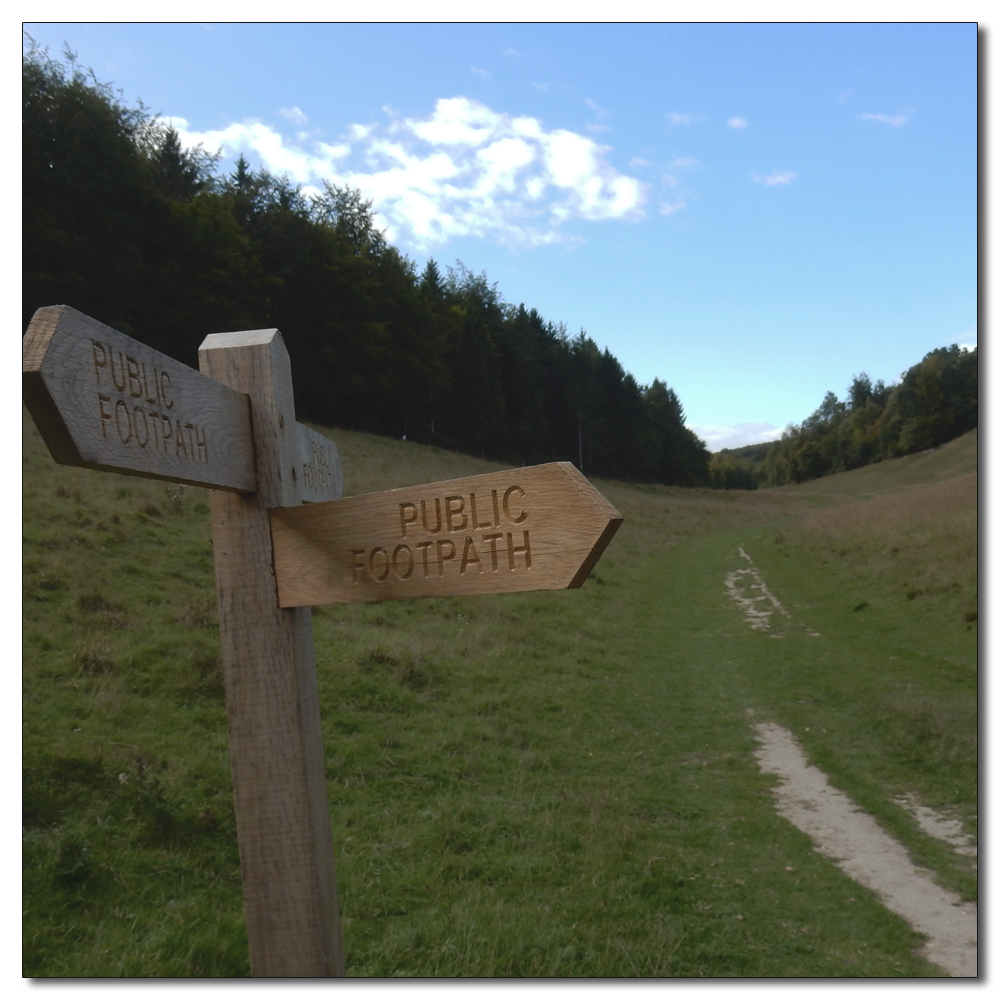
(911, 471)
(656, 517)
(916, 543)
(523, 784)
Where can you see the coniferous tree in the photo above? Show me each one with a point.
(122, 222)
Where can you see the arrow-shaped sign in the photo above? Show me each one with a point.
(319, 467)
(538, 528)
(104, 401)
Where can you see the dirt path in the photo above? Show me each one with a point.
(850, 837)
(868, 854)
(939, 827)
(747, 588)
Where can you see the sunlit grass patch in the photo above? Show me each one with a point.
(920, 545)
(955, 458)
(543, 784)
(890, 694)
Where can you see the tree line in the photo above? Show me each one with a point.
(935, 401)
(123, 223)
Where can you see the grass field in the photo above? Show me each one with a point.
(553, 784)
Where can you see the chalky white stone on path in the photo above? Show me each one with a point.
(747, 588)
(868, 854)
(944, 828)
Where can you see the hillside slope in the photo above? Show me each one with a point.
(552, 784)
(955, 458)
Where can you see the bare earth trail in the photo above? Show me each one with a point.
(868, 854)
(850, 837)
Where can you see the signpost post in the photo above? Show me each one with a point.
(283, 540)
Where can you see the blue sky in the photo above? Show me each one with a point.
(752, 213)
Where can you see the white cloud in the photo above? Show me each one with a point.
(969, 339)
(602, 113)
(483, 74)
(359, 132)
(510, 52)
(893, 121)
(682, 162)
(842, 97)
(457, 122)
(719, 436)
(293, 114)
(596, 108)
(464, 170)
(677, 118)
(668, 208)
(775, 177)
(270, 147)
(737, 122)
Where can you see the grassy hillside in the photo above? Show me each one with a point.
(957, 457)
(532, 784)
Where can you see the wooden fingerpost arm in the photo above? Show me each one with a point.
(272, 701)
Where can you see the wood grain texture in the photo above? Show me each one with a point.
(272, 701)
(319, 474)
(537, 528)
(102, 400)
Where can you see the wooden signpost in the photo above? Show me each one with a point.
(540, 528)
(104, 401)
(283, 540)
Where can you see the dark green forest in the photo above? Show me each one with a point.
(125, 225)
